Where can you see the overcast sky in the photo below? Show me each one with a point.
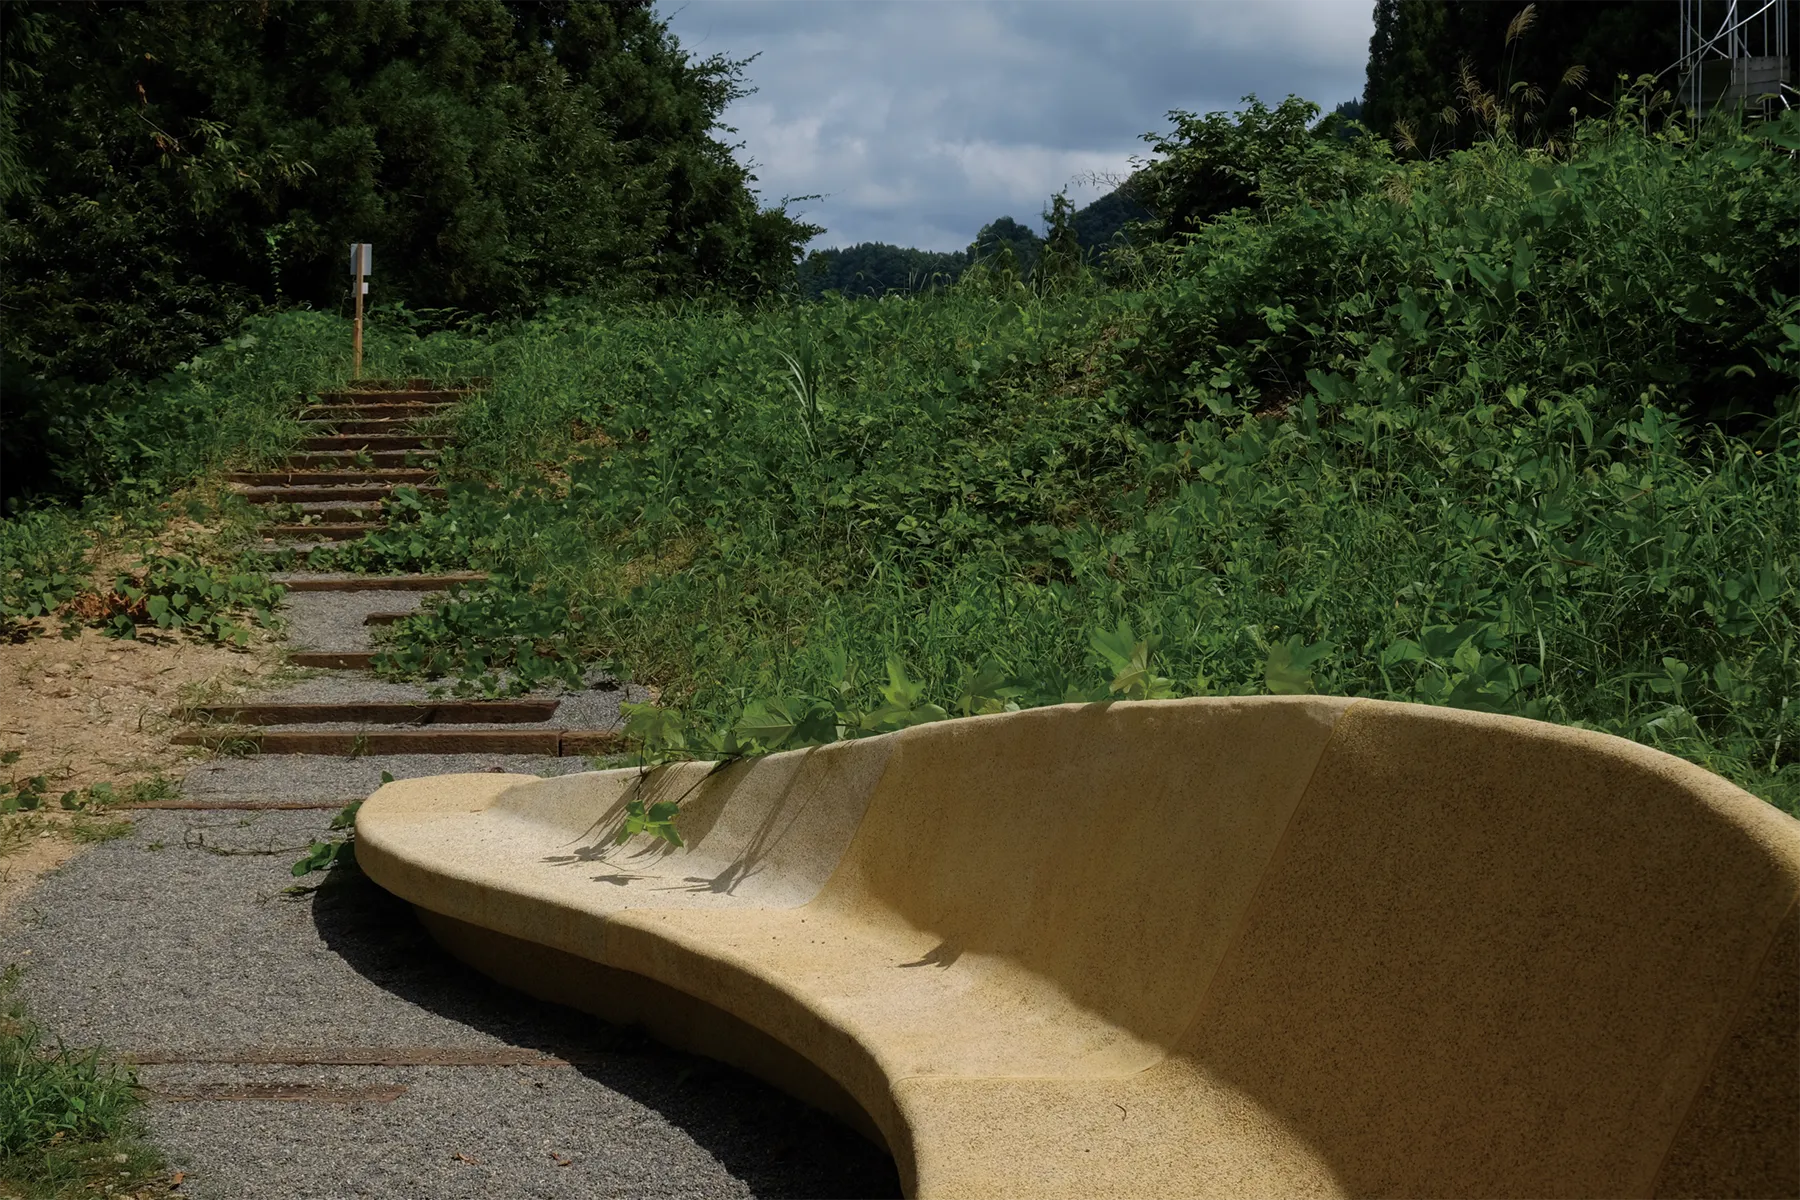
(922, 120)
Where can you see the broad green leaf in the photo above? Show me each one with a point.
(1288, 670)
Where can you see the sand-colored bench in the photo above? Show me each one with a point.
(1219, 947)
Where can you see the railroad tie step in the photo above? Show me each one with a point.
(310, 582)
(347, 514)
(324, 460)
(353, 475)
(395, 396)
(381, 712)
(332, 660)
(276, 554)
(369, 411)
(347, 532)
(299, 494)
(421, 442)
(354, 743)
(378, 427)
(364, 1056)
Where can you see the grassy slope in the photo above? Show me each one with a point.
(1419, 442)
(1482, 494)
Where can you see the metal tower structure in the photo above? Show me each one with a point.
(1735, 52)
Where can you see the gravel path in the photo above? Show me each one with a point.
(300, 778)
(177, 946)
(176, 941)
(334, 620)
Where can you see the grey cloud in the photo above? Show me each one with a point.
(923, 120)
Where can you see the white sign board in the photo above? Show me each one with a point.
(361, 258)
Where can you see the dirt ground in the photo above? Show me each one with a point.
(96, 709)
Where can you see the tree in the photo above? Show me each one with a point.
(1005, 236)
(1540, 60)
(1409, 81)
(167, 168)
(875, 269)
(1059, 264)
(1213, 164)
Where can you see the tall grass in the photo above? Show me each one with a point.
(68, 1119)
(1501, 432)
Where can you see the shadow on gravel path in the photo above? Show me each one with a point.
(776, 1145)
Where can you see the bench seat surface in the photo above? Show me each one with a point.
(1275, 946)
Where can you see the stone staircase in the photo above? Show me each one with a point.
(360, 445)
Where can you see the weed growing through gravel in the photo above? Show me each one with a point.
(68, 1118)
(102, 830)
(328, 854)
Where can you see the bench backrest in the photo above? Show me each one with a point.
(1437, 943)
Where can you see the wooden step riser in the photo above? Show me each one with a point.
(395, 396)
(332, 660)
(560, 743)
(382, 428)
(414, 475)
(326, 460)
(349, 514)
(298, 495)
(448, 712)
(322, 533)
(369, 412)
(354, 442)
(383, 583)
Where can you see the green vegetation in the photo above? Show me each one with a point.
(43, 564)
(151, 460)
(1503, 430)
(1553, 56)
(176, 592)
(21, 794)
(331, 853)
(168, 169)
(30, 793)
(1004, 245)
(1514, 429)
(68, 1119)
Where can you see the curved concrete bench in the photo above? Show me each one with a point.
(1275, 946)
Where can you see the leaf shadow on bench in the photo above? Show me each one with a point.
(778, 1146)
(656, 785)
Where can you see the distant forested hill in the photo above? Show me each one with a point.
(877, 268)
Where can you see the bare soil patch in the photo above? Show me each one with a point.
(93, 709)
(96, 709)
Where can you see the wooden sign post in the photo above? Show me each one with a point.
(361, 267)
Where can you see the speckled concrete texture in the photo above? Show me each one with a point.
(1268, 946)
